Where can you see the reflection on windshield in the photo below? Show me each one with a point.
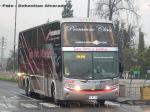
(88, 34)
(77, 65)
(89, 65)
(105, 65)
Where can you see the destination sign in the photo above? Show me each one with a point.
(89, 49)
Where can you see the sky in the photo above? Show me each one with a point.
(30, 17)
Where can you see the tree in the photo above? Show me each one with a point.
(68, 11)
(127, 54)
(129, 33)
(124, 35)
(141, 45)
(11, 63)
(147, 61)
(128, 58)
(109, 8)
(147, 58)
(141, 51)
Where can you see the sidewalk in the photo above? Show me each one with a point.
(133, 101)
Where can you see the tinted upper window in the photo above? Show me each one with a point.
(88, 34)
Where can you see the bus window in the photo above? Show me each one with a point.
(88, 34)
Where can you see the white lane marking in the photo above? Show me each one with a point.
(10, 106)
(7, 102)
(112, 103)
(28, 97)
(28, 105)
(9, 98)
(48, 105)
(2, 105)
(1, 97)
(4, 97)
(15, 97)
(4, 111)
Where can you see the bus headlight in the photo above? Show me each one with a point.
(19, 74)
(107, 87)
(77, 88)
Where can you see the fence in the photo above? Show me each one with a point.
(131, 88)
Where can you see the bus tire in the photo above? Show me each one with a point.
(56, 101)
(27, 88)
(53, 92)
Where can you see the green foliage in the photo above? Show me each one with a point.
(11, 63)
(133, 60)
(147, 58)
(8, 78)
(135, 68)
(124, 35)
(141, 45)
(128, 58)
(68, 11)
(141, 54)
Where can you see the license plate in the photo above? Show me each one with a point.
(92, 97)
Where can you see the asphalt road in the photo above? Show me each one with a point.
(13, 99)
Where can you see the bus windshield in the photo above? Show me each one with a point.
(90, 65)
(88, 34)
(105, 64)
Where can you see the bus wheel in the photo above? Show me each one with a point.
(101, 102)
(27, 89)
(56, 101)
(53, 92)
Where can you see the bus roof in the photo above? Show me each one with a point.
(84, 20)
(71, 20)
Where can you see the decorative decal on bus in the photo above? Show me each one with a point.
(43, 53)
(75, 28)
(99, 28)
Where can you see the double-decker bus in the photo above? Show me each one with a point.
(70, 60)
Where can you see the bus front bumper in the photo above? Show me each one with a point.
(91, 95)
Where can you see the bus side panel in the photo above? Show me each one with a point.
(39, 56)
